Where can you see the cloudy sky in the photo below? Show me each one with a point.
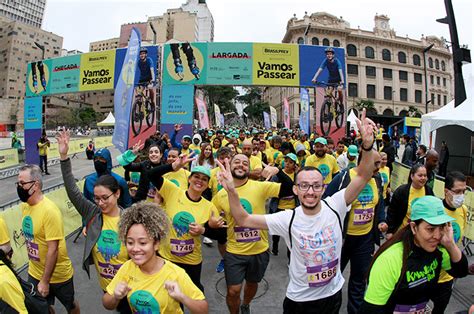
(84, 21)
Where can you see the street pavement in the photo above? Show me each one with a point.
(271, 291)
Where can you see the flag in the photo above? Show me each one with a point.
(286, 113)
(202, 112)
(124, 92)
(266, 120)
(221, 119)
(273, 116)
(304, 113)
(217, 115)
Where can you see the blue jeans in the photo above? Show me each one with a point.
(358, 250)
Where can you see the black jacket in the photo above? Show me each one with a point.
(399, 206)
(144, 183)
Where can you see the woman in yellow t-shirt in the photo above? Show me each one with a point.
(150, 283)
(12, 299)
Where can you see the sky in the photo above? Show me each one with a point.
(85, 21)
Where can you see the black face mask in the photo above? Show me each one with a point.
(100, 167)
(23, 194)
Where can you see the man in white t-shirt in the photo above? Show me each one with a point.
(313, 233)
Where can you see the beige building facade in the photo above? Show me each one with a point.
(106, 44)
(380, 65)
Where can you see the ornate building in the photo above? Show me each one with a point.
(380, 65)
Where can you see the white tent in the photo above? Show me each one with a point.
(351, 118)
(108, 121)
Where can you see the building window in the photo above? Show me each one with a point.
(418, 96)
(387, 92)
(431, 79)
(403, 94)
(325, 42)
(402, 57)
(445, 100)
(418, 77)
(386, 55)
(438, 80)
(387, 73)
(300, 41)
(430, 62)
(370, 91)
(336, 43)
(315, 41)
(353, 69)
(439, 100)
(444, 81)
(353, 92)
(403, 75)
(416, 60)
(370, 71)
(443, 66)
(437, 64)
(351, 50)
(369, 52)
(432, 99)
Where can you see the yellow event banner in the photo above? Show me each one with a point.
(276, 64)
(8, 158)
(97, 70)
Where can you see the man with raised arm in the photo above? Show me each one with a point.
(312, 232)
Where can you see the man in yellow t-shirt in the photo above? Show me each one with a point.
(49, 268)
(178, 177)
(274, 155)
(255, 163)
(303, 141)
(5, 238)
(326, 163)
(454, 192)
(247, 257)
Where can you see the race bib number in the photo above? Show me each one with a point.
(411, 309)
(363, 216)
(33, 251)
(321, 275)
(181, 247)
(107, 270)
(243, 234)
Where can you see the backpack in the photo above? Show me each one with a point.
(34, 302)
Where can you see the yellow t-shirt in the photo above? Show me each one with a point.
(274, 156)
(224, 142)
(327, 165)
(255, 163)
(195, 148)
(41, 223)
(179, 178)
(460, 214)
(288, 202)
(253, 195)
(213, 182)
(43, 149)
(148, 293)
(385, 175)
(305, 143)
(413, 195)
(361, 216)
(11, 291)
(259, 155)
(4, 235)
(180, 246)
(302, 159)
(109, 253)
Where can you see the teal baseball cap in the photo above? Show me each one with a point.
(321, 140)
(201, 169)
(430, 209)
(292, 157)
(353, 151)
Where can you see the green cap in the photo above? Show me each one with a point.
(186, 137)
(430, 209)
(321, 140)
(201, 169)
(292, 157)
(353, 151)
(126, 158)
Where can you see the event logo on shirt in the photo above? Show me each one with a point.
(456, 231)
(366, 195)
(27, 226)
(143, 302)
(384, 177)
(324, 170)
(108, 244)
(175, 182)
(246, 205)
(181, 222)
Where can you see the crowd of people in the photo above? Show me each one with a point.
(331, 203)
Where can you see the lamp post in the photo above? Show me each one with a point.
(41, 47)
(306, 31)
(393, 102)
(426, 76)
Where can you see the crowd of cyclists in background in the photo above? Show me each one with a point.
(330, 202)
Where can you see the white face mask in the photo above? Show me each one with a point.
(458, 200)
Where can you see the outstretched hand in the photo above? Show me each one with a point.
(182, 160)
(63, 143)
(137, 147)
(178, 127)
(367, 130)
(269, 171)
(224, 177)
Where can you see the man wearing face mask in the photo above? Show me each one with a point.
(49, 267)
(103, 165)
(454, 189)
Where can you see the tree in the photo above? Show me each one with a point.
(364, 103)
(255, 107)
(222, 96)
(414, 112)
(86, 116)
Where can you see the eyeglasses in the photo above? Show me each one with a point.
(304, 187)
(103, 198)
(21, 184)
